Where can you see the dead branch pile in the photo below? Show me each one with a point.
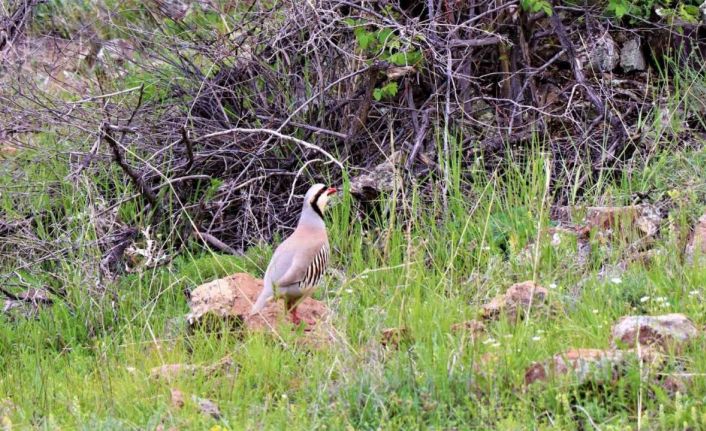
(228, 117)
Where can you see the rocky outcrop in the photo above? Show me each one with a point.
(669, 331)
(520, 297)
(231, 299)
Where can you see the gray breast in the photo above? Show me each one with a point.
(316, 268)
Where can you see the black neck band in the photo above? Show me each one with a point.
(314, 202)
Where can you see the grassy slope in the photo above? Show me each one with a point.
(427, 277)
(86, 365)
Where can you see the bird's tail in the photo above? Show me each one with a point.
(265, 295)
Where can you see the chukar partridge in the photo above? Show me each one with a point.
(299, 262)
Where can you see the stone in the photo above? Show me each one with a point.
(380, 179)
(645, 258)
(660, 332)
(584, 365)
(175, 327)
(396, 72)
(609, 217)
(177, 398)
(394, 337)
(35, 296)
(174, 9)
(648, 220)
(604, 53)
(230, 299)
(519, 297)
(631, 57)
(318, 337)
(696, 247)
(207, 407)
(170, 371)
(645, 218)
(7, 151)
(117, 51)
(216, 297)
(27, 303)
(473, 328)
(674, 384)
(53, 64)
(483, 111)
(486, 363)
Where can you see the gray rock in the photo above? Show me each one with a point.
(696, 246)
(598, 366)
(669, 330)
(117, 51)
(631, 57)
(482, 111)
(380, 179)
(207, 407)
(217, 297)
(518, 298)
(604, 54)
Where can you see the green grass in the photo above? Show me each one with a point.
(85, 363)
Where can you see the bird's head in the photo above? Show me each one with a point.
(317, 197)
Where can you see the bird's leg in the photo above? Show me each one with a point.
(291, 306)
(295, 318)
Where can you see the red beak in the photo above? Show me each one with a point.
(331, 190)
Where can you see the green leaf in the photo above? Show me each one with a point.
(364, 38)
(619, 8)
(689, 13)
(390, 89)
(414, 57)
(383, 35)
(547, 9)
(405, 58)
(398, 58)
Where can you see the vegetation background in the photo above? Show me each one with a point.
(149, 147)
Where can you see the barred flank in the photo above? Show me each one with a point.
(316, 268)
